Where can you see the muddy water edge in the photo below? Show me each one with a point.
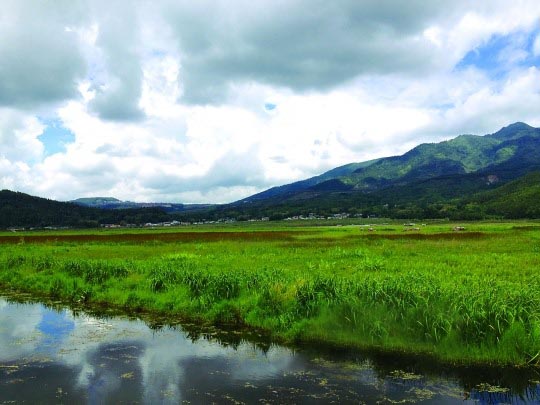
(50, 353)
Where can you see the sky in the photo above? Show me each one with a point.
(213, 101)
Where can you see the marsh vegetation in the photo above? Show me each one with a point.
(461, 297)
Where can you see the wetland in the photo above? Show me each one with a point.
(432, 303)
(53, 354)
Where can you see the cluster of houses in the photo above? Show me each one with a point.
(263, 219)
(179, 223)
(48, 228)
(312, 216)
(148, 225)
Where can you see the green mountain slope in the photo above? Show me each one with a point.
(491, 160)
(464, 154)
(517, 199)
(430, 180)
(299, 186)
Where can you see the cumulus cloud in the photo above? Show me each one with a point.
(19, 136)
(515, 99)
(213, 101)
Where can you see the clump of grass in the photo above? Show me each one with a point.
(43, 263)
(162, 277)
(210, 287)
(321, 290)
(96, 271)
(15, 261)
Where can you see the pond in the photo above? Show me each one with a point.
(52, 354)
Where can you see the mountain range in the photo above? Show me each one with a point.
(467, 177)
(507, 154)
(114, 203)
(432, 179)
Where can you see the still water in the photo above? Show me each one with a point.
(51, 354)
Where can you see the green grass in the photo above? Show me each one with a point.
(468, 297)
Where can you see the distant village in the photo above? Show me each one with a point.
(309, 217)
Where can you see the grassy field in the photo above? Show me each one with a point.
(468, 297)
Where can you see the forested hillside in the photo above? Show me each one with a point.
(23, 210)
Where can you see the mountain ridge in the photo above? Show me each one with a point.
(460, 155)
(111, 203)
(467, 177)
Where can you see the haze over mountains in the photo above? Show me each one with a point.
(114, 203)
(468, 177)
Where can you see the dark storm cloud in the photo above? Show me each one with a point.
(40, 60)
(298, 44)
(301, 45)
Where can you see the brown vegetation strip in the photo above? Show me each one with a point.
(425, 236)
(526, 227)
(149, 237)
(349, 239)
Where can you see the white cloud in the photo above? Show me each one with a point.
(489, 108)
(19, 136)
(167, 101)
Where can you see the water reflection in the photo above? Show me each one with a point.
(60, 355)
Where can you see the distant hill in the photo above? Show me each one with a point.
(23, 210)
(111, 203)
(96, 201)
(299, 186)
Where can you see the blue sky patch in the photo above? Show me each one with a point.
(270, 106)
(55, 137)
(502, 53)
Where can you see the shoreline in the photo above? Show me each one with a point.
(157, 318)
